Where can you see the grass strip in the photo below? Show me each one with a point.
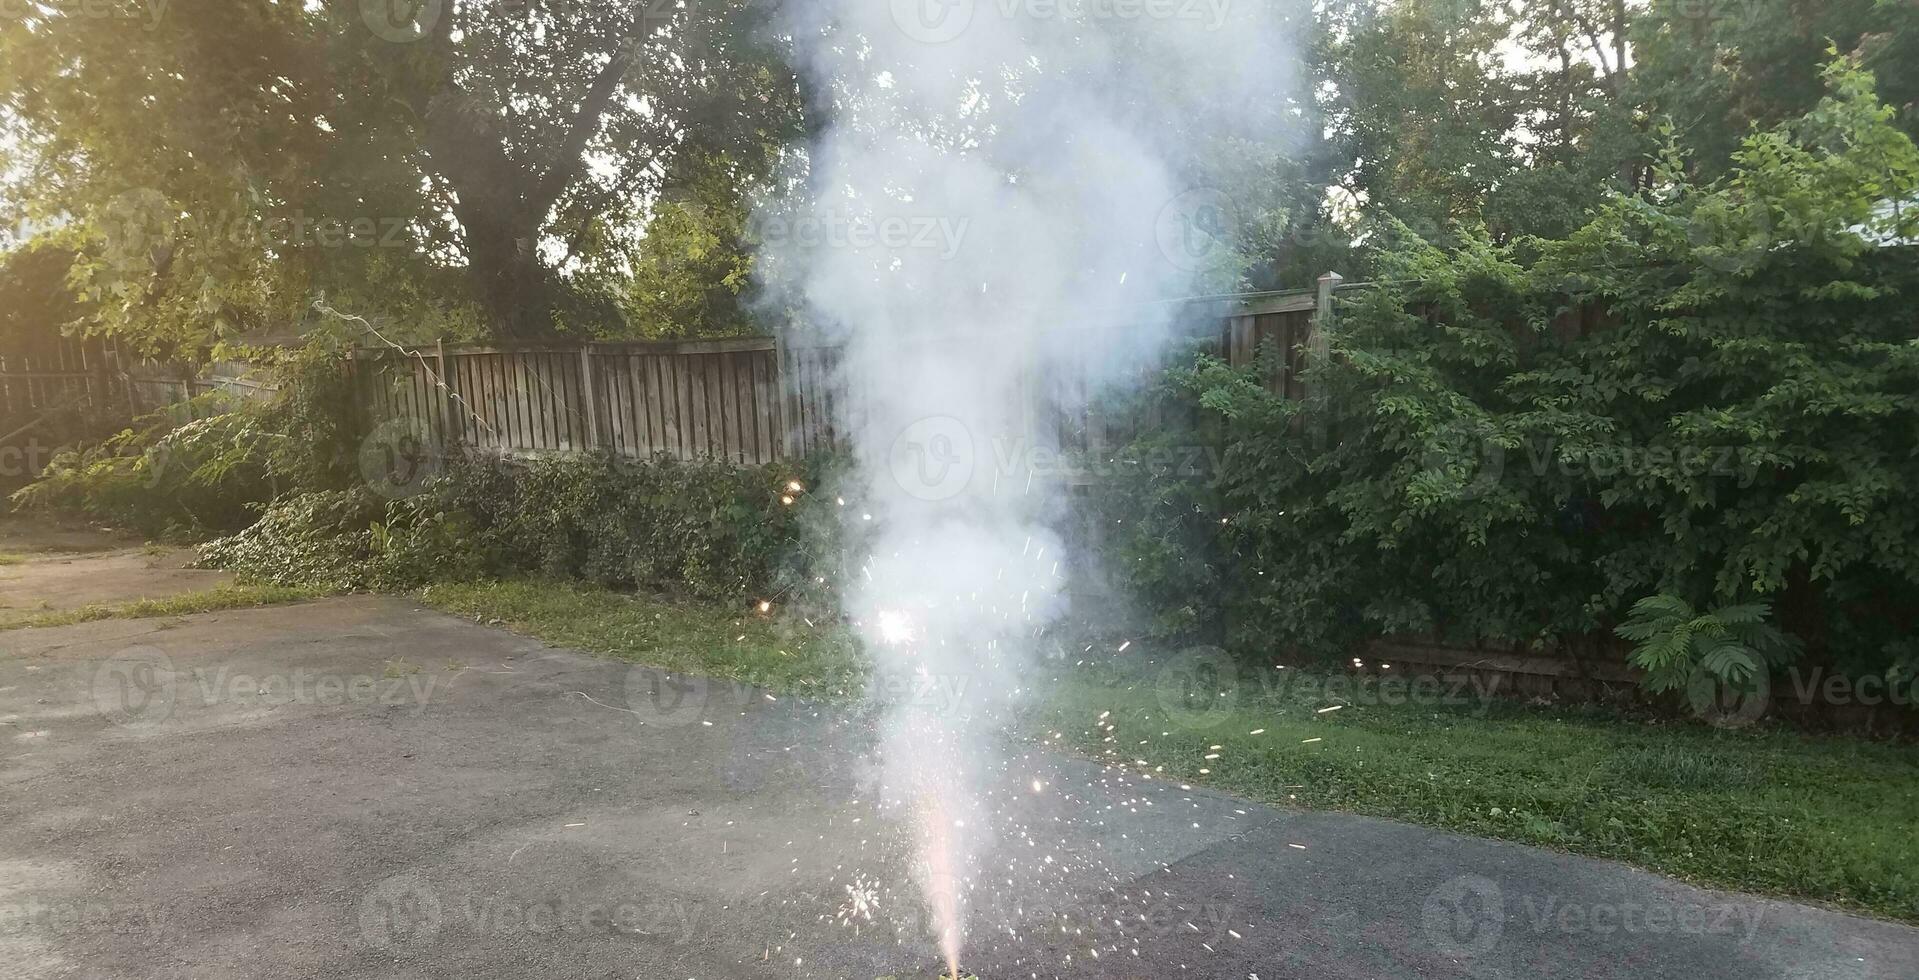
(781, 653)
(1764, 810)
(186, 603)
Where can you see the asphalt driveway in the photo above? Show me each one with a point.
(359, 788)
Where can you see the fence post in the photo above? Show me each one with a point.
(449, 437)
(1325, 315)
(589, 393)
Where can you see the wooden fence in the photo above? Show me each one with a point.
(41, 384)
(751, 400)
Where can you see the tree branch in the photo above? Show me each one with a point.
(620, 186)
(1598, 46)
(568, 156)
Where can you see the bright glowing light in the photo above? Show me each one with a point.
(895, 628)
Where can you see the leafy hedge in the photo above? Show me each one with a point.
(285, 481)
(707, 529)
(1709, 393)
(209, 465)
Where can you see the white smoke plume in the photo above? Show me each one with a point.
(991, 172)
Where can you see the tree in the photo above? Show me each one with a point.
(1421, 107)
(35, 302)
(1706, 392)
(229, 161)
(545, 126)
(692, 269)
(1718, 71)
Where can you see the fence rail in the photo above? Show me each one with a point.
(748, 400)
(752, 400)
(40, 384)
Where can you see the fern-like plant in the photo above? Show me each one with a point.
(1680, 648)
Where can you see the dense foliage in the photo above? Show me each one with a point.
(451, 169)
(706, 529)
(446, 167)
(1709, 392)
(208, 465)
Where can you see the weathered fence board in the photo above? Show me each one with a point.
(93, 376)
(701, 399)
(750, 400)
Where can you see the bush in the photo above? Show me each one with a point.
(1706, 394)
(168, 477)
(1733, 648)
(350, 540)
(709, 529)
(706, 529)
(209, 465)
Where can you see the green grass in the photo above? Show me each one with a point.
(11, 558)
(781, 653)
(208, 600)
(1763, 810)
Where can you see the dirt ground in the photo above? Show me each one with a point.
(47, 567)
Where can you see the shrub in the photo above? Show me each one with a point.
(1732, 648)
(710, 529)
(209, 465)
(170, 474)
(706, 529)
(350, 540)
(1706, 394)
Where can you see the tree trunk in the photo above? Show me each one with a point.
(510, 281)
